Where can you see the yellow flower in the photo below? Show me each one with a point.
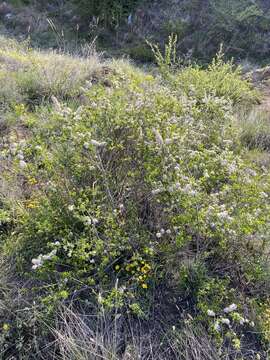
(6, 327)
(144, 286)
(31, 205)
(145, 269)
(117, 267)
(32, 181)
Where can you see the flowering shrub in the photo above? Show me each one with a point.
(143, 190)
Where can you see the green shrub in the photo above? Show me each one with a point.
(141, 201)
(141, 52)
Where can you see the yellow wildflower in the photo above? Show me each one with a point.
(145, 269)
(31, 205)
(32, 181)
(6, 327)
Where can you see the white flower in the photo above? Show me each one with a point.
(227, 142)
(71, 207)
(156, 191)
(13, 146)
(158, 235)
(251, 172)
(22, 164)
(57, 106)
(95, 221)
(168, 232)
(205, 174)
(162, 231)
(211, 313)
(230, 308)
(37, 263)
(159, 138)
(20, 156)
(168, 141)
(87, 220)
(188, 190)
(177, 185)
(217, 326)
(232, 168)
(224, 162)
(225, 321)
(224, 216)
(243, 321)
(100, 298)
(97, 143)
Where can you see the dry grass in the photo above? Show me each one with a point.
(255, 129)
(86, 337)
(33, 76)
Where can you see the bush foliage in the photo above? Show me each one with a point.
(136, 200)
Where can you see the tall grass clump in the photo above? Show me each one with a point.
(255, 129)
(32, 77)
(140, 208)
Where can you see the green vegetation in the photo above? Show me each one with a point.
(133, 219)
(241, 25)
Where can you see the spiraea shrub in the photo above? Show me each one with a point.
(139, 203)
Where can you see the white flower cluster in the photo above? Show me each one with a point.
(97, 144)
(211, 313)
(231, 166)
(219, 320)
(162, 232)
(90, 221)
(60, 109)
(39, 261)
(230, 308)
(15, 149)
